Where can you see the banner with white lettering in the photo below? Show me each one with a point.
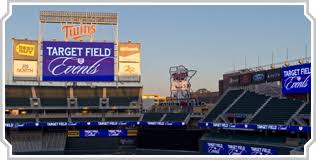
(78, 61)
(216, 148)
(296, 79)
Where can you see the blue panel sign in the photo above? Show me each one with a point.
(262, 151)
(215, 148)
(237, 150)
(103, 133)
(256, 127)
(296, 79)
(233, 149)
(120, 123)
(78, 61)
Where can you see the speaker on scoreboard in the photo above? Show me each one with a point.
(104, 102)
(72, 102)
(35, 102)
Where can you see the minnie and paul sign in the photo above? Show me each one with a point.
(296, 79)
(78, 61)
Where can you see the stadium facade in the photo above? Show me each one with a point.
(82, 96)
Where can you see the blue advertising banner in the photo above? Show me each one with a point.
(144, 123)
(296, 79)
(233, 149)
(78, 61)
(103, 133)
(256, 127)
(214, 148)
(121, 123)
(259, 77)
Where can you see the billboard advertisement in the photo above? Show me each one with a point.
(25, 49)
(129, 71)
(24, 70)
(78, 61)
(233, 149)
(273, 75)
(227, 80)
(234, 81)
(129, 52)
(296, 79)
(259, 77)
(245, 79)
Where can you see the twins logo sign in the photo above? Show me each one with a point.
(78, 61)
(296, 79)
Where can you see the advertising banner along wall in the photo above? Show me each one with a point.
(259, 77)
(234, 81)
(296, 79)
(273, 75)
(233, 149)
(78, 61)
(245, 79)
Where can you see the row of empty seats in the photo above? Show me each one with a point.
(223, 104)
(154, 117)
(107, 119)
(62, 102)
(13, 102)
(249, 103)
(26, 141)
(175, 117)
(172, 117)
(54, 141)
(35, 141)
(245, 137)
(306, 110)
(277, 111)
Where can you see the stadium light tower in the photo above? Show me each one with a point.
(180, 87)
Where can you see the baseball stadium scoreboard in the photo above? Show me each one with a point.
(78, 56)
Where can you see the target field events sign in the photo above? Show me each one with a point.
(296, 79)
(78, 61)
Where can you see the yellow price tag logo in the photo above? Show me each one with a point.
(25, 49)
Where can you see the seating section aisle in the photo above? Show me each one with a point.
(223, 104)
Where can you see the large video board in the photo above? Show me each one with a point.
(296, 79)
(78, 61)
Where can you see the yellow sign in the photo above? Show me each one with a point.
(129, 52)
(25, 49)
(24, 69)
(132, 133)
(73, 133)
(129, 69)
